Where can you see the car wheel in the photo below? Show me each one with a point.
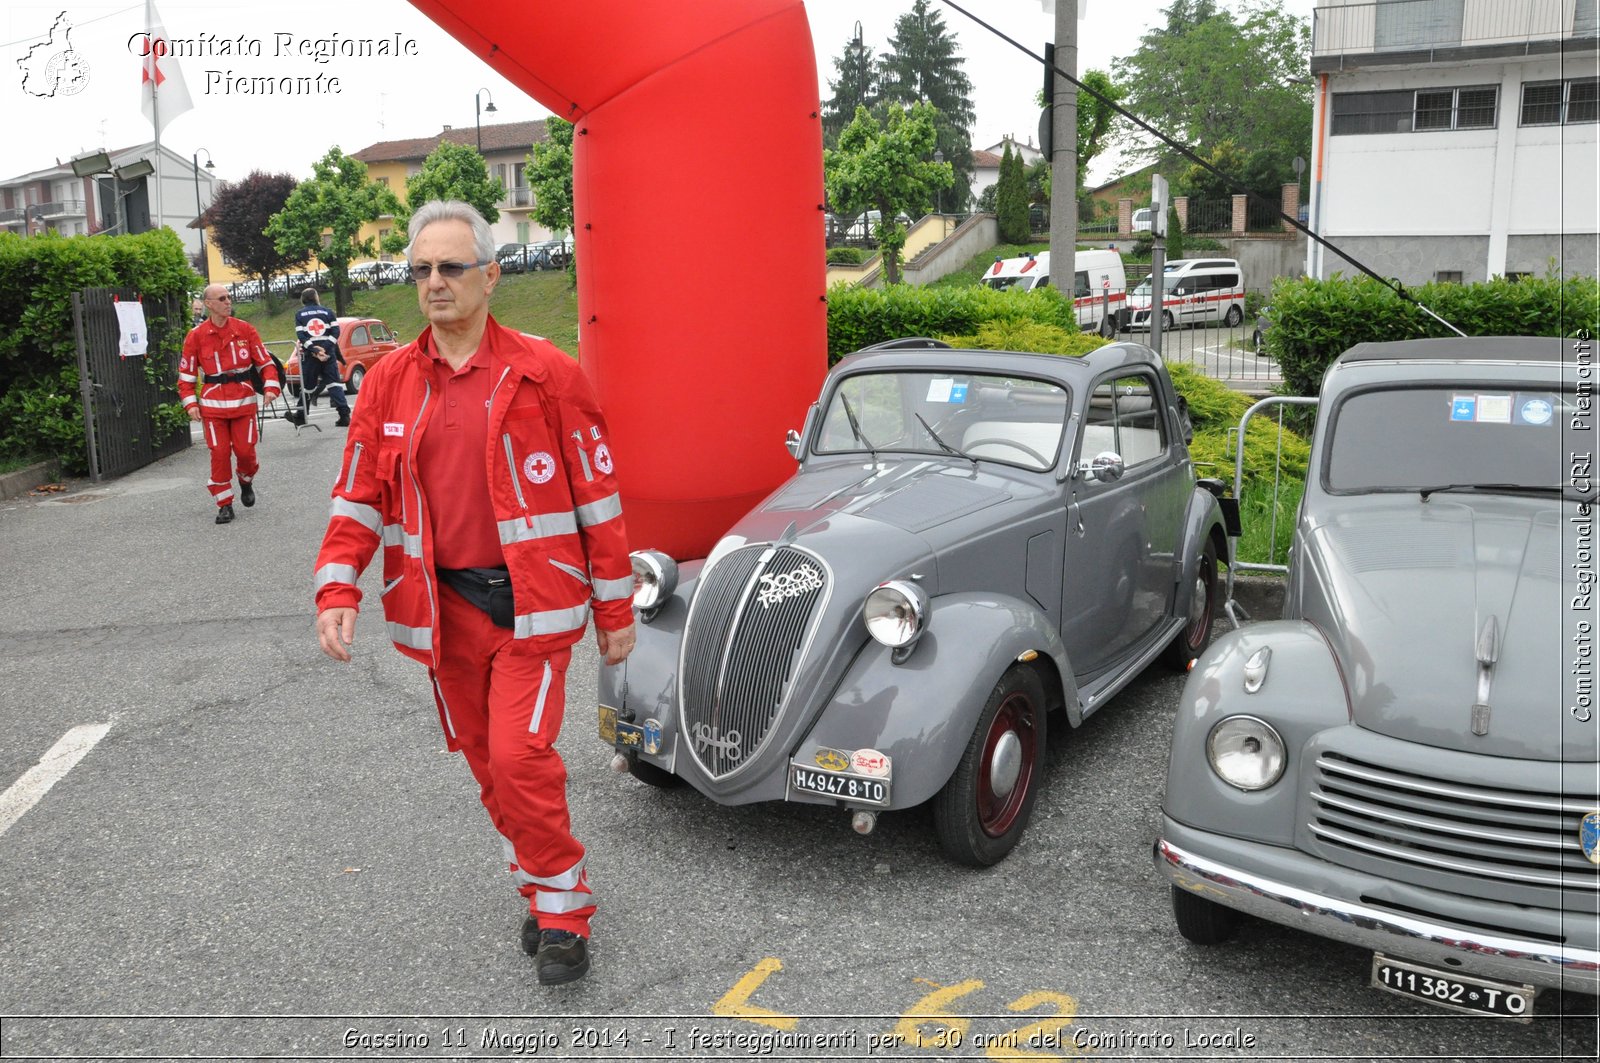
(1202, 921)
(1167, 321)
(982, 811)
(1202, 608)
(356, 374)
(660, 778)
(1235, 315)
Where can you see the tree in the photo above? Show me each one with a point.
(324, 216)
(1011, 199)
(453, 171)
(238, 218)
(1207, 76)
(1174, 243)
(550, 177)
(855, 84)
(922, 66)
(882, 168)
(1097, 131)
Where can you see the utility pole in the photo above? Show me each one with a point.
(1064, 150)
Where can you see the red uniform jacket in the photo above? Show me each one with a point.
(231, 349)
(551, 482)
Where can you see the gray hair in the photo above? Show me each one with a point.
(452, 210)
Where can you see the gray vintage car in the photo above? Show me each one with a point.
(972, 539)
(1407, 762)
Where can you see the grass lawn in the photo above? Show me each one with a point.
(544, 304)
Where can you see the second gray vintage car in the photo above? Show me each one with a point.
(972, 539)
(1407, 762)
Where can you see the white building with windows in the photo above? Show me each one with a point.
(1456, 139)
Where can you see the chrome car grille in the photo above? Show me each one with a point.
(1474, 838)
(746, 632)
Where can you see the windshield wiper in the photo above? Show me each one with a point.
(946, 447)
(855, 426)
(1426, 491)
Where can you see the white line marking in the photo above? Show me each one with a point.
(52, 767)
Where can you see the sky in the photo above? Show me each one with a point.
(382, 98)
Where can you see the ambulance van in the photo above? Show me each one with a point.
(1098, 284)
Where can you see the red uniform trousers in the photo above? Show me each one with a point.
(230, 438)
(502, 707)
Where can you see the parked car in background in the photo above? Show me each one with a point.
(1099, 285)
(1198, 290)
(1143, 219)
(512, 258)
(362, 341)
(973, 541)
(1407, 762)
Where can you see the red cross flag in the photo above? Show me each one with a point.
(162, 93)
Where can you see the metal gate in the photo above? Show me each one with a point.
(1237, 437)
(119, 396)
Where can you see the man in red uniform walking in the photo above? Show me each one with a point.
(479, 460)
(225, 349)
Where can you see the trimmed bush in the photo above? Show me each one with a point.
(1014, 335)
(1313, 322)
(859, 317)
(846, 256)
(40, 410)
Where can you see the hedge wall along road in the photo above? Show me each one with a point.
(1313, 322)
(859, 317)
(41, 412)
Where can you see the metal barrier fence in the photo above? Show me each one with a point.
(1198, 334)
(1237, 438)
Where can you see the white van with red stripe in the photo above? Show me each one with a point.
(1197, 290)
(1098, 275)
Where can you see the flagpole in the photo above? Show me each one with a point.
(155, 104)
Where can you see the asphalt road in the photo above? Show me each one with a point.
(269, 855)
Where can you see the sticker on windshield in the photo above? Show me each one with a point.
(947, 390)
(1494, 409)
(1464, 408)
(1534, 410)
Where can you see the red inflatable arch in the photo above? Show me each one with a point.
(696, 181)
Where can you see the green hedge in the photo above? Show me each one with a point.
(847, 256)
(859, 317)
(41, 414)
(1313, 322)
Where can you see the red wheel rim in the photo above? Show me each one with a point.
(998, 812)
(1200, 623)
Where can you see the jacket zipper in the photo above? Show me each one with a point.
(571, 570)
(411, 446)
(355, 460)
(516, 485)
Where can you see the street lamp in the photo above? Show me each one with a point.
(858, 51)
(478, 110)
(938, 159)
(205, 263)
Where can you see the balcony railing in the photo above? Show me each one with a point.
(1427, 25)
(68, 208)
(10, 217)
(520, 196)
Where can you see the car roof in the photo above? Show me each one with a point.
(1048, 366)
(1467, 348)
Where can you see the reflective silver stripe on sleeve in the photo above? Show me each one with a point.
(567, 880)
(416, 638)
(613, 590)
(396, 535)
(355, 459)
(560, 903)
(190, 377)
(365, 515)
(551, 621)
(335, 574)
(450, 724)
(600, 511)
(518, 530)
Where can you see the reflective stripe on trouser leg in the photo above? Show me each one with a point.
(492, 686)
(244, 446)
(219, 442)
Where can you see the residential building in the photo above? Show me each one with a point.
(1455, 139)
(55, 199)
(986, 162)
(505, 149)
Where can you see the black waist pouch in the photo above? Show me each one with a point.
(487, 588)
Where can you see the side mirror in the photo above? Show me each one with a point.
(1106, 467)
(791, 440)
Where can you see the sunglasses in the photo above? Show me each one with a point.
(421, 271)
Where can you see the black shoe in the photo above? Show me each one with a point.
(530, 935)
(225, 513)
(344, 419)
(247, 495)
(562, 957)
(295, 417)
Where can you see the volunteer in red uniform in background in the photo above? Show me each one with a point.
(224, 349)
(479, 459)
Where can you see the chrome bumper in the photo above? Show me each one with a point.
(1450, 948)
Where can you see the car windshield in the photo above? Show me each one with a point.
(1459, 437)
(1015, 421)
(1144, 285)
(1024, 281)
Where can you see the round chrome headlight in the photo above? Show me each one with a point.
(1245, 752)
(895, 613)
(655, 577)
